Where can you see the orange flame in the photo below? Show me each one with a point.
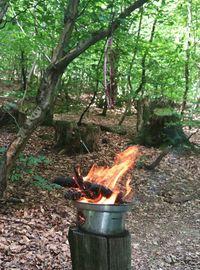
(110, 177)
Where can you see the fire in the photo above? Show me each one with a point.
(111, 177)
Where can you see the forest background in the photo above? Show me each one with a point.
(121, 71)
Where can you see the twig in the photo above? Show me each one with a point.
(19, 13)
(192, 134)
(87, 108)
(85, 146)
(14, 119)
(96, 88)
(158, 159)
(84, 8)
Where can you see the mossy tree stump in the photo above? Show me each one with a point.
(160, 125)
(73, 139)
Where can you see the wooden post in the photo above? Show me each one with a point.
(98, 252)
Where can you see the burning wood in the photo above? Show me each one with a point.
(101, 184)
(85, 189)
(73, 195)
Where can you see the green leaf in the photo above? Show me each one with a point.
(164, 111)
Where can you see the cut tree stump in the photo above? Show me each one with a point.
(159, 124)
(98, 252)
(11, 116)
(73, 139)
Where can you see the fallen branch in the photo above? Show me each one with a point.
(193, 134)
(117, 130)
(86, 109)
(156, 162)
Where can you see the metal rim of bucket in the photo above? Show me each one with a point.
(104, 207)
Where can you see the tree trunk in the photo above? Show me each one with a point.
(141, 113)
(3, 182)
(3, 8)
(129, 102)
(23, 71)
(95, 91)
(99, 252)
(105, 108)
(187, 59)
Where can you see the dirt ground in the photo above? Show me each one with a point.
(164, 222)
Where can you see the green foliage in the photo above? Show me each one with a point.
(43, 183)
(191, 123)
(26, 165)
(164, 111)
(16, 175)
(33, 160)
(2, 149)
(10, 106)
(141, 161)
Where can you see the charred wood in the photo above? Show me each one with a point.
(65, 182)
(73, 195)
(119, 199)
(99, 189)
(86, 189)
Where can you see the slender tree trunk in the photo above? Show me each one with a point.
(129, 102)
(105, 108)
(141, 87)
(135, 51)
(52, 75)
(96, 89)
(198, 91)
(142, 84)
(3, 8)
(187, 59)
(3, 177)
(31, 72)
(23, 71)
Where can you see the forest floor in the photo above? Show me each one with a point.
(164, 222)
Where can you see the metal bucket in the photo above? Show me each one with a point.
(102, 219)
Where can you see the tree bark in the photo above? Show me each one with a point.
(23, 71)
(187, 59)
(60, 61)
(99, 252)
(3, 177)
(3, 8)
